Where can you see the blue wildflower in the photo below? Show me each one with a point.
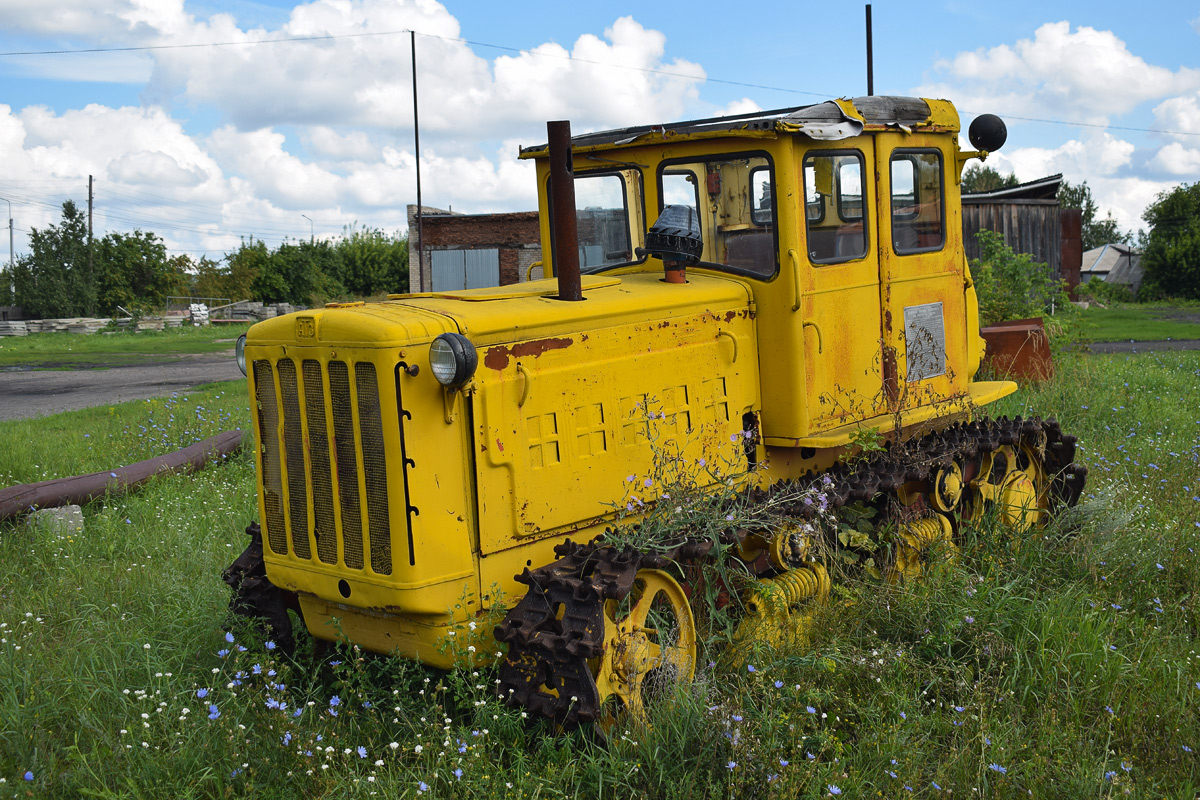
(998, 768)
(783, 762)
(778, 684)
(229, 637)
(362, 751)
(810, 709)
(202, 693)
(28, 776)
(213, 712)
(731, 765)
(458, 773)
(750, 668)
(222, 653)
(834, 789)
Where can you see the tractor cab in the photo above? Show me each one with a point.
(844, 221)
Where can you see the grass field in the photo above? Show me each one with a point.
(1125, 322)
(66, 350)
(1066, 667)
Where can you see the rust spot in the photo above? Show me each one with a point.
(729, 316)
(497, 357)
(500, 445)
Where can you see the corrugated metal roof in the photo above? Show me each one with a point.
(1041, 189)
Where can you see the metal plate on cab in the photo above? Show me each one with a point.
(925, 341)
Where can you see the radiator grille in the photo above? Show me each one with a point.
(272, 477)
(293, 448)
(347, 463)
(299, 473)
(370, 425)
(324, 528)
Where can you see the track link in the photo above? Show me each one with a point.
(558, 626)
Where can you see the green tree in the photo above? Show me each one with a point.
(55, 278)
(978, 178)
(1171, 258)
(1096, 232)
(373, 262)
(134, 272)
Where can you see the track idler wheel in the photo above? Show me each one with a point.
(649, 646)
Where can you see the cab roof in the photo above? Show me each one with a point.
(830, 120)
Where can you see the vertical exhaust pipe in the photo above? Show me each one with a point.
(562, 204)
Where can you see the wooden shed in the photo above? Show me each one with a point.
(1026, 215)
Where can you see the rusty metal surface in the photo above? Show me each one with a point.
(79, 489)
(1071, 223)
(1019, 350)
(559, 624)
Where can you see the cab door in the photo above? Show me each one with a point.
(922, 291)
(839, 286)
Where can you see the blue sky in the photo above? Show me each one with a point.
(206, 144)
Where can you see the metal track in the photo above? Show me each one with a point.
(559, 624)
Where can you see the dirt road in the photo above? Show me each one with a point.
(36, 393)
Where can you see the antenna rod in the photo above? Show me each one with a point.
(870, 57)
(417, 158)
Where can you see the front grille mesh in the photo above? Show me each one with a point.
(272, 476)
(294, 422)
(293, 447)
(370, 424)
(324, 530)
(347, 464)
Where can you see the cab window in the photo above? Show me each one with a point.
(734, 199)
(602, 217)
(918, 212)
(835, 219)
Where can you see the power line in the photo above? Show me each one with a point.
(567, 57)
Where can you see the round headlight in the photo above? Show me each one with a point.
(453, 360)
(239, 350)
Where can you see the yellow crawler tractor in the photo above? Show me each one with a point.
(792, 280)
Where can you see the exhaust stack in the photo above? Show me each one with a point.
(562, 205)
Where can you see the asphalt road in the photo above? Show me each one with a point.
(36, 393)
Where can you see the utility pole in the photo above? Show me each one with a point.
(311, 237)
(10, 232)
(91, 268)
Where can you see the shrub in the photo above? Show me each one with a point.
(1012, 285)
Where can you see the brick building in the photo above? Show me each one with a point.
(466, 251)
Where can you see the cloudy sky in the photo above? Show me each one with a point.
(206, 121)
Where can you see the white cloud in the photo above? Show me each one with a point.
(1175, 159)
(325, 142)
(279, 176)
(1103, 155)
(1180, 114)
(1085, 75)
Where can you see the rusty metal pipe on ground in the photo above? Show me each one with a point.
(17, 500)
(562, 203)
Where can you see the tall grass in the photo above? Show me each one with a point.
(1063, 665)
